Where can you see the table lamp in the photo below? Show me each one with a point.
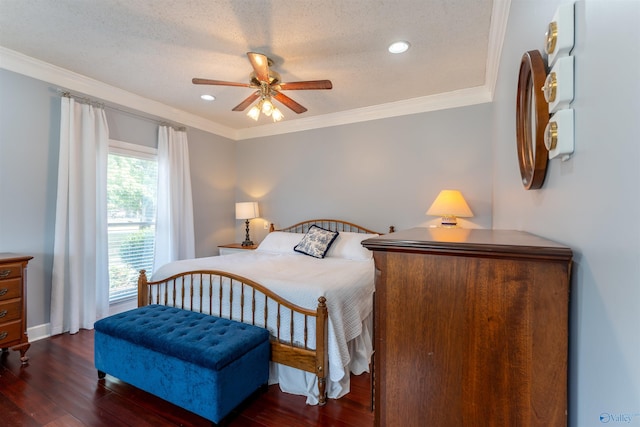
(449, 205)
(247, 211)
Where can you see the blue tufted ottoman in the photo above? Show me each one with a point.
(202, 363)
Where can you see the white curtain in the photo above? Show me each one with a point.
(174, 218)
(80, 285)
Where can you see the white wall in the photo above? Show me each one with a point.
(591, 203)
(377, 173)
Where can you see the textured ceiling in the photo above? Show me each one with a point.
(154, 48)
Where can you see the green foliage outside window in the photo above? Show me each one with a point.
(131, 204)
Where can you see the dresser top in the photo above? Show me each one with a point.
(469, 241)
(11, 257)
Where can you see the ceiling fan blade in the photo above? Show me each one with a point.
(311, 84)
(293, 105)
(260, 64)
(248, 101)
(197, 81)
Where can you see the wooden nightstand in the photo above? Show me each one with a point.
(234, 248)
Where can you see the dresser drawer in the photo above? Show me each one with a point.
(10, 332)
(11, 288)
(13, 307)
(10, 310)
(8, 271)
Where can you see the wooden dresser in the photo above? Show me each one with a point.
(471, 328)
(13, 303)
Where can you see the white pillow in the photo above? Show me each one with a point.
(280, 242)
(347, 245)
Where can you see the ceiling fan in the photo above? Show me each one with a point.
(268, 85)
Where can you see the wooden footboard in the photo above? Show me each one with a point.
(235, 297)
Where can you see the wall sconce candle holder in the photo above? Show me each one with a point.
(559, 136)
(558, 86)
(560, 33)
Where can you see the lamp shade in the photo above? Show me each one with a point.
(450, 204)
(247, 210)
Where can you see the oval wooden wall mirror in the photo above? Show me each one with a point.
(532, 116)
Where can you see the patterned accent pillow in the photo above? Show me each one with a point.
(316, 242)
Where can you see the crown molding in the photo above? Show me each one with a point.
(442, 101)
(74, 82)
(497, 32)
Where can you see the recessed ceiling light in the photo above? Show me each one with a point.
(208, 97)
(399, 47)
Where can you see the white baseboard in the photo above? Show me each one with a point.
(123, 305)
(43, 331)
(39, 332)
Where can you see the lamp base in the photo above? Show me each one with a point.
(247, 241)
(449, 222)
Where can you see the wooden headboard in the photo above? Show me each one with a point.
(328, 224)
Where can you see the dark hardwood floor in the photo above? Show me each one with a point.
(60, 387)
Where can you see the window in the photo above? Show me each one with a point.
(132, 173)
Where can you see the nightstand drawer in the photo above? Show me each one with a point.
(10, 332)
(9, 271)
(10, 289)
(10, 310)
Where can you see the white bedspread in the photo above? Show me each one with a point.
(348, 286)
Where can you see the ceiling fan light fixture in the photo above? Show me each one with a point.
(254, 112)
(208, 97)
(277, 115)
(267, 85)
(267, 107)
(399, 46)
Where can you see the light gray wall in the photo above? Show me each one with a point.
(591, 203)
(132, 128)
(29, 143)
(213, 184)
(377, 173)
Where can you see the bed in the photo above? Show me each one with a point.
(319, 310)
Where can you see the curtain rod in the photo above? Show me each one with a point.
(101, 104)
